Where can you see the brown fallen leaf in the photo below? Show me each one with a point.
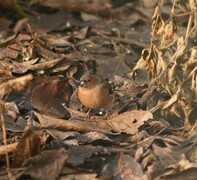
(190, 173)
(123, 166)
(13, 122)
(29, 145)
(56, 41)
(10, 148)
(46, 165)
(82, 175)
(44, 52)
(23, 67)
(61, 135)
(128, 122)
(50, 96)
(8, 39)
(81, 34)
(101, 7)
(78, 154)
(92, 137)
(15, 84)
(11, 51)
(169, 35)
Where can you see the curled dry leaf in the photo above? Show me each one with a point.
(29, 145)
(56, 41)
(11, 148)
(82, 33)
(78, 154)
(22, 67)
(50, 96)
(158, 23)
(171, 71)
(128, 122)
(10, 52)
(61, 135)
(190, 173)
(46, 165)
(12, 109)
(169, 35)
(15, 84)
(45, 53)
(92, 137)
(31, 65)
(145, 64)
(123, 166)
(127, 87)
(13, 123)
(60, 43)
(5, 71)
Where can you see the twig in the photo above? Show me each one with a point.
(5, 139)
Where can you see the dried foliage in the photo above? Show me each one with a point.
(149, 56)
(171, 66)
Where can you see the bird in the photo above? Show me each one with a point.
(95, 92)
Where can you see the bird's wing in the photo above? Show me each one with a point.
(107, 86)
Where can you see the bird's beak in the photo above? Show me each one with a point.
(82, 83)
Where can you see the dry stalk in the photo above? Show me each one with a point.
(10, 176)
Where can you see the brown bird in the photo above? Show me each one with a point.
(95, 92)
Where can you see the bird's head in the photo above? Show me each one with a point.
(88, 81)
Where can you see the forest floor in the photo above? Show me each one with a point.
(148, 54)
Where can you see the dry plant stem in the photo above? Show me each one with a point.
(182, 14)
(30, 30)
(158, 107)
(5, 139)
(189, 25)
(172, 11)
(195, 23)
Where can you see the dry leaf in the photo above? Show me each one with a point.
(15, 84)
(128, 122)
(50, 96)
(29, 145)
(46, 165)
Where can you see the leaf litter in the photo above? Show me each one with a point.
(147, 53)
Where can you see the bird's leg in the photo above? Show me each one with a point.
(88, 113)
(107, 115)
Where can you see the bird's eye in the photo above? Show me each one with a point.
(84, 83)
